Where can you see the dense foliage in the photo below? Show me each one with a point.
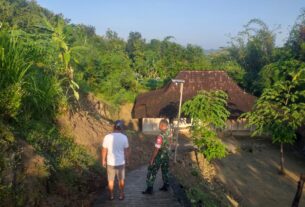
(31, 94)
(208, 112)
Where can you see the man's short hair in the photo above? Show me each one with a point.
(164, 121)
(118, 125)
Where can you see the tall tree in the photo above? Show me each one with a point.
(135, 49)
(279, 71)
(221, 60)
(252, 49)
(296, 40)
(195, 57)
(281, 110)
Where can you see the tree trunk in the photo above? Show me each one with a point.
(298, 194)
(282, 170)
(197, 160)
(203, 162)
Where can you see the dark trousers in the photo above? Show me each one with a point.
(161, 160)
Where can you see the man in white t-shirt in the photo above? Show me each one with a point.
(115, 155)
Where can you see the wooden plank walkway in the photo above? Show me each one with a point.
(135, 184)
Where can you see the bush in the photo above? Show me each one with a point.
(44, 95)
(208, 111)
(120, 87)
(13, 68)
(10, 100)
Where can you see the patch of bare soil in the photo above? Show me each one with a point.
(93, 120)
(88, 125)
(126, 116)
(31, 174)
(250, 172)
(141, 146)
(85, 129)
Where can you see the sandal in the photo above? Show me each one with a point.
(122, 196)
(111, 198)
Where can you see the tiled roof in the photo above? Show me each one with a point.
(164, 102)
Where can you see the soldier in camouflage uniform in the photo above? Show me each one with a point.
(160, 158)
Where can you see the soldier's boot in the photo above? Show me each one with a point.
(149, 191)
(164, 187)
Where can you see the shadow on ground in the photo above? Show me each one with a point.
(250, 172)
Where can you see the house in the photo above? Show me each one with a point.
(150, 107)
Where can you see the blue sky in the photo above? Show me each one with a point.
(202, 22)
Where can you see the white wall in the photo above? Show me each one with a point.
(151, 125)
(237, 125)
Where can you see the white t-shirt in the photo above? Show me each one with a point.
(115, 143)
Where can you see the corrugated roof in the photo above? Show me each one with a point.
(164, 102)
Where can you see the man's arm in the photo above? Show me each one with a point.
(127, 155)
(127, 151)
(153, 156)
(157, 147)
(104, 156)
(171, 137)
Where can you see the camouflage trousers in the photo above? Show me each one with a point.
(161, 160)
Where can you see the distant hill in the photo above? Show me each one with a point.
(209, 51)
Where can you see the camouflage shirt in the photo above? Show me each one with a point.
(162, 141)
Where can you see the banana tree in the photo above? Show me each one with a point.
(66, 55)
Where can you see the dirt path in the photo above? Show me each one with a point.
(250, 172)
(135, 184)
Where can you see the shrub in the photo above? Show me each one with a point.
(208, 111)
(13, 68)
